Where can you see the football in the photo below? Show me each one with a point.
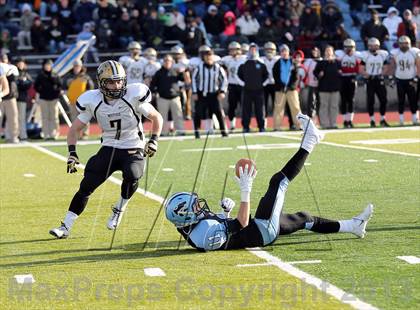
(242, 162)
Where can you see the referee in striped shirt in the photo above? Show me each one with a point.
(209, 86)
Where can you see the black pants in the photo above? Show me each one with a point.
(312, 102)
(253, 98)
(269, 92)
(406, 88)
(234, 99)
(101, 166)
(376, 86)
(205, 107)
(251, 236)
(348, 90)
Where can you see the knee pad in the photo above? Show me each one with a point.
(129, 187)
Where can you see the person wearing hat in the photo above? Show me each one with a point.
(77, 82)
(24, 81)
(9, 105)
(285, 74)
(214, 23)
(391, 22)
(254, 75)
(209, 87)
(48, 86)
(26, 22)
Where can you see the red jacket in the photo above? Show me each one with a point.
(229, 26)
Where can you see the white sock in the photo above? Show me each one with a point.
(122, 204)
(69, 219)
(233, 122)
(414, 118)
(208, 125)
(351, 116)
(382, 117)
(345, 118)
(346, 226)
(401, 118)
(372, 118)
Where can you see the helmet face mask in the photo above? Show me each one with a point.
(184, 209)
(110, 72)
(404, 43)
(373, 45)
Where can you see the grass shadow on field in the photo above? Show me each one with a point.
(103, 257)
(134, 251)
(30, 241)
(392, 228)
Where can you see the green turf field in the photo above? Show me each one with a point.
(81, 273)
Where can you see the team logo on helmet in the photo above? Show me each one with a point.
(108, 71)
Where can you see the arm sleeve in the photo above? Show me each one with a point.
(194, 80)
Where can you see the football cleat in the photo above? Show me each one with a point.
(311, 134)
(384, 123)
(115, 218)
(60, 232)
(360, 221)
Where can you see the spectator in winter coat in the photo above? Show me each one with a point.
(26, 22)
(24, 82)
(230, 26)
(373, 28)
(123, 30)
(249, 25)
(65, 17)
(407, 27)
(296, 8)
(309, 20)
(214, 24)
(268, 32)
(285, 73)
(328, 73)
(48, 86)
(83, 13)
(39, 36)
(391, 23)
(55, 36)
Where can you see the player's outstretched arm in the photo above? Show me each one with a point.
(72, 136)
(157, 122)
(245, 180)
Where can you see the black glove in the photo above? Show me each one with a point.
(72, 160)
(151, 146)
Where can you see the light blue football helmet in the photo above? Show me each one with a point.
(182, 209)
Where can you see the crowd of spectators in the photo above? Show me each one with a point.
(44, 25)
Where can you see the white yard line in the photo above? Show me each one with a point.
(413, 260)
(154, 272)
(347, 146)
(324, 286)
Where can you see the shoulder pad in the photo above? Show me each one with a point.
(138, 93)
(90, 97)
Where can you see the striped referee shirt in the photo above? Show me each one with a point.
(209, 79)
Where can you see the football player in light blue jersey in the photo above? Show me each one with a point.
(206, 231)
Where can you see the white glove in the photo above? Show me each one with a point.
(245, 179)
(227, 204)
